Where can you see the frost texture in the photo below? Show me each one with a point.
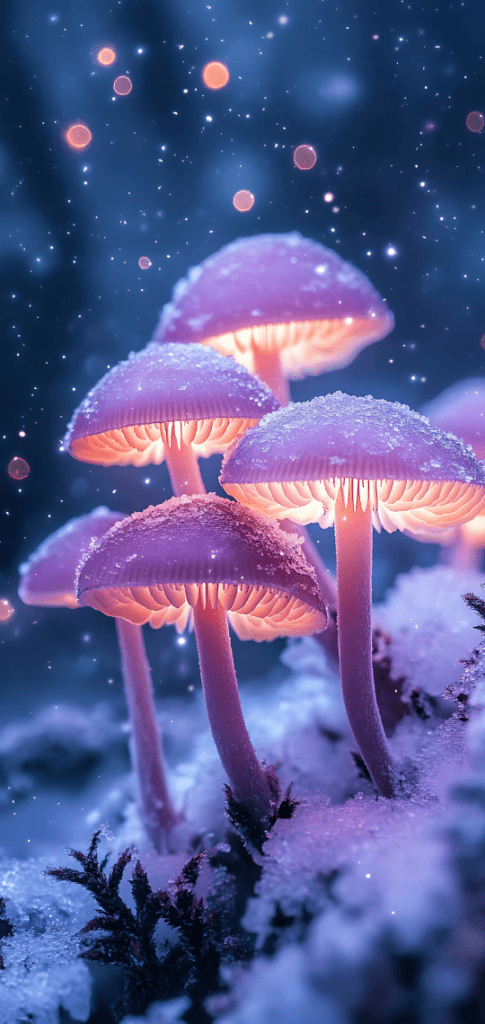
(162, 1013)
(431, 628)
(345, 436)
(268, 279)
(173, 383)
(42, 974)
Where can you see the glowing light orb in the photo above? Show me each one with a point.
(304, 157)
(215, 75)
(106, 56)
(6, 610)
(475, 121)
(329, 197)
(144, 263)
(122, 85)
(78, 136)
(482, 341)
(18, 468)
(243, 200)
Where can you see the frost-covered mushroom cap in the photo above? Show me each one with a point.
(181, 391)
(461, 409)
(294, 462)
(158, 563)
(279, 291)
(49, 575)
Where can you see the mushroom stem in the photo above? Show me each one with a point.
(353, 539)
(183, 468)
(246, 775)
(159, 814)
(267, 366)
(326, 582)
(463, 556)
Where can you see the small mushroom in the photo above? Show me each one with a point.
(176, 403)
(356, 462)
(282, 305)
(461, 410)
(49, 579)
(210, 557)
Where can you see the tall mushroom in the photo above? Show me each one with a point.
(208, 555)
(356, 462)
(48, 578)
(282, 305)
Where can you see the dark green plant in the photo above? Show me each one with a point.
(126, 938)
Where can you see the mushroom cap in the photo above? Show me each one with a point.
(279, 291)
(49, 574)
(294, 462)
(461, 409)
(158, 563)
(182, 391)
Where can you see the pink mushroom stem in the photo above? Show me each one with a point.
(326, 582)
(183, 468)
(246, 775)
(158, 812)
(267, 366)
(353, 539)
(463, 556)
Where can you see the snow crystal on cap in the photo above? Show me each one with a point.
(342, 436)
(199, 539)
(173, 383)
(268, 279)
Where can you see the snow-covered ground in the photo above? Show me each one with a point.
(365, 909)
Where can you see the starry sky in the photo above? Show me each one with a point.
(380, 90)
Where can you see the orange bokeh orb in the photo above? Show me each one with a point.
(243, 200)
(215, 75)
(78, 136)
(304, 157)
(6, 610)
(144, 263)
(18, 468)
(475, 121)
(482, 341)
(106, 56)
(122, 85)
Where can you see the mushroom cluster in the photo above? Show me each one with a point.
(214, 379)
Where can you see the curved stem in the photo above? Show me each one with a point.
(267, 367)
(326, 582)
(247, 777)
(184, 469)
(353, 539)
(158, 812)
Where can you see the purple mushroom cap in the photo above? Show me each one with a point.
(165, 553)
(340, 437)
(461, 409)
(49, 575)
(122, 419)
(272, 280)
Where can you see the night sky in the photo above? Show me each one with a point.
(382, 92)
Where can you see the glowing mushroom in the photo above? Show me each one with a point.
(176, 403)
(211, 557)
(49, 579)
(461, 410)
(284, 306)
(356, 462)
